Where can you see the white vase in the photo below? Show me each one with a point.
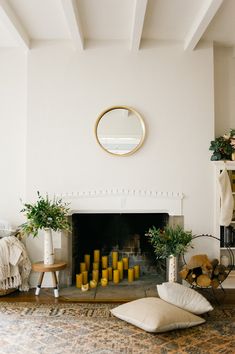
(172, 268)
(48, 247)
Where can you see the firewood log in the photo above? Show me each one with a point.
(190, 279)
(184, 272)
(215, 283)
(196, 272)
(203, 280)
(214, 263)
(221, 277)
(220, 269)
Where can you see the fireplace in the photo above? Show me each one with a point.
(97, 217)
(121, 232)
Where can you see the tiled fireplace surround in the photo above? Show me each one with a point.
(118, 201)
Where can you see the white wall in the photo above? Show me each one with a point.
(172, 89)
(224, 90)
(62, 92)
(13, 104)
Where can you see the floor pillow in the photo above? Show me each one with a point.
(184, 297)
(155, 315)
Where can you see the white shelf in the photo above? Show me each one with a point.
(225, 248)
(222, 163)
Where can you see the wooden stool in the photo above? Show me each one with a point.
(53, 268)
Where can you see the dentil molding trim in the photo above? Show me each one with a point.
(123, 200)
(121, 192)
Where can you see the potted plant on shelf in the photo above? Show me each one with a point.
(169, 243)
(45, 215)
(223, 147)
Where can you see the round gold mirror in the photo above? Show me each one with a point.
(120, 130)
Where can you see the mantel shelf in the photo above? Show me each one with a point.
(224, 163)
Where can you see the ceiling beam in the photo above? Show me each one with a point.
(72, 17)
(14, 26)
(138, 24)
(201, 23)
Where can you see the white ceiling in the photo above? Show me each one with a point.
(128, 21)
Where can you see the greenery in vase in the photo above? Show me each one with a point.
(169, 241)
(223, 146)
(45, 213)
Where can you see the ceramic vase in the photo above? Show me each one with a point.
(48, 247)
(172, 268)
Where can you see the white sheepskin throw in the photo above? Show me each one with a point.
(226, 197)
(15, 265)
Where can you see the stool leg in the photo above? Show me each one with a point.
(55, 284)
(38, 288)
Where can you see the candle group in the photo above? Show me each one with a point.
(101, 271)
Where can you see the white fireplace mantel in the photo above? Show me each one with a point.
(124, 200)
(117, 200)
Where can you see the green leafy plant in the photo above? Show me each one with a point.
(45, 213)
(169, 241)
(223, 146)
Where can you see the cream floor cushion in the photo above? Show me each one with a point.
(155, 315)
(184, 297)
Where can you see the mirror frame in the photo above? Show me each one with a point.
(142, 123)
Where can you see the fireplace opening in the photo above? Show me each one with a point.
(122, 232)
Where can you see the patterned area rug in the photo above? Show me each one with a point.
(90, 328)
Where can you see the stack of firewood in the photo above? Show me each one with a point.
(202, 272)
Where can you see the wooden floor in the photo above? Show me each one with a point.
(47, 296)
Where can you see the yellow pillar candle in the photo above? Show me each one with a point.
(137, 271)
(120, 268)
(105, 274)
(110, 272)
(97, 256)
(87, 259)
(104, 282)
(130, 275)
(79, 280)
(114, 259)
(85, 277)
(104, 262)
(82, 267)
(125, 263)
(95, 266)
(93, 284)
(85, 287)
(116, 276)
(95, 275)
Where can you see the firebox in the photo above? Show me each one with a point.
(122, 232)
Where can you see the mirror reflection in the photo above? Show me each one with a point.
(120, 130)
